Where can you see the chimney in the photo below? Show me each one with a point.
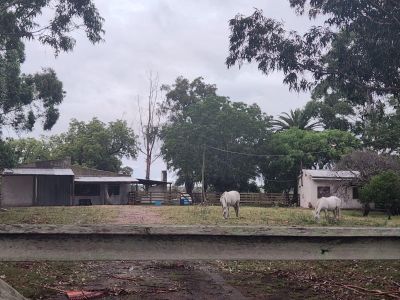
(164, 175)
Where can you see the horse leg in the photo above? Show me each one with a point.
(316, 213)
(237, 210)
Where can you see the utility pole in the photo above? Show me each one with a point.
(203, 192)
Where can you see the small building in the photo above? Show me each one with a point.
(94, 187)
(58, 183)
(314, 184)
(153, 190)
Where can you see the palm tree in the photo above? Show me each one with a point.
(295, 119)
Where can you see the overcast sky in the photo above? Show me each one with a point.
(172, 38)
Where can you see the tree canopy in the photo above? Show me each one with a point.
(298, 118)
(349, 60)
(30, 150)
(356, 48)
(24, 98)
(93, 144)
(96, 144)
(209, 123)
(383, 190)
(181, 95)
(293, 149)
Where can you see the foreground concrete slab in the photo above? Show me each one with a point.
(162, 242)
(8, 293)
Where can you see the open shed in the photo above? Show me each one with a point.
(37, 186)
(50, 183)
(102, 190)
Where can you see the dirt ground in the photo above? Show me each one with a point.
(138, 215)
(136, 280)
(208, 280)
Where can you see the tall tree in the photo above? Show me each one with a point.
(179, 97)
(221, 128)
(150, 123)
(95, 144)
(24, 98)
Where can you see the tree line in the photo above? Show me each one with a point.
(350, 64)
(240, 142)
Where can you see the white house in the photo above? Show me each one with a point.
(314, 184)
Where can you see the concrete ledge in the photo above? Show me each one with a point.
(205, 230)
(162, 242)
(8, 293)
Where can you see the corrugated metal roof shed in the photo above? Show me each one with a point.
(105, 179)
(329, 174)
(150, 181)
(38, 171)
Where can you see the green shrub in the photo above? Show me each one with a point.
(384, 191)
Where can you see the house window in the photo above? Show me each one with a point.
(355, 192)
(113, 189)
(323, 191)
(87, 189)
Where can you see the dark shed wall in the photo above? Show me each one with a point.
(54, 190)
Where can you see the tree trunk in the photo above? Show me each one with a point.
(189, 186)
(295, 199)
(148, 166)
(366, 209)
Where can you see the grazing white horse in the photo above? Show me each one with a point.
(326, 204)
(227, 199)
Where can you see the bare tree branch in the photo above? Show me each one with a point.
(150, 121)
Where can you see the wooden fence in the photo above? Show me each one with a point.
(256, 199)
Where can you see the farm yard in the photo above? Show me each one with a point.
(213, 279)
(187, 215)
(84, 212)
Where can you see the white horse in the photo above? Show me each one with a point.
(227, 199)
(326, 204)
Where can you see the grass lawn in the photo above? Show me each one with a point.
(212, 215)
(186, 215)
(59, 215)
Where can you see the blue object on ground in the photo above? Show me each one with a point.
(157, 202)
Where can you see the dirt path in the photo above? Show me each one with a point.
(129, 214)
(151, 280)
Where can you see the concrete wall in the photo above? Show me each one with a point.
(17, 191)
(308, 191)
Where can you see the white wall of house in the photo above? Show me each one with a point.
(308, 191)
(17, 191)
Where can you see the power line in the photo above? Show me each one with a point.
(256, 175)
(260, 155)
